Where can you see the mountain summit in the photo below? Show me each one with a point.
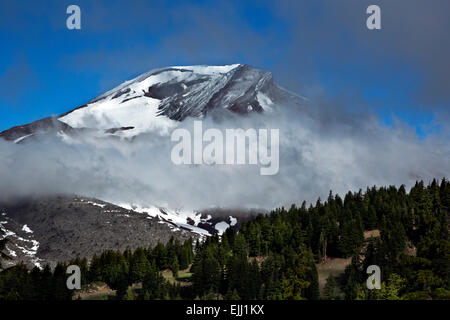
(158, 99)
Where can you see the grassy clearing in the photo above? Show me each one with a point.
(336, 266)
(95, 291)
(371, 234)
(182, 279)
(333, 266)
(184, 276)
(100, 290)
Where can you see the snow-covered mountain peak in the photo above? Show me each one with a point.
(156, 101)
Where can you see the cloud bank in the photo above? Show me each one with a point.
(321, 149)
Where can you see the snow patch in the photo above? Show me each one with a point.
(11, 252)
(7, 233)
(221, 227)
(96, 204)
(140, 113)
(26, 229)
(209, 70)
(264, 101)
(22, 138)
(170, 217)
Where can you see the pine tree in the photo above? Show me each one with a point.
(139, 265)
(330, 288)
(175, 267)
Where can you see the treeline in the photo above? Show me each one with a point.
(224, 270)
(19, 283)
(274, 256)
(117, 269)
(120, 270)
(413, 250)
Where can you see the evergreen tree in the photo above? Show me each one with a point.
(139, 265)
(330, 288)
(175, 267)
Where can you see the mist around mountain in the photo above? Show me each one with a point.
(117, 147)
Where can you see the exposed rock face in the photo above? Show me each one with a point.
(43, 127)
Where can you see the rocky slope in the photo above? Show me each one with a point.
(59, 228)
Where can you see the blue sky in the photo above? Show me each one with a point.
(314, 48)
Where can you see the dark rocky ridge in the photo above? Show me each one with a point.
(49, 125)
(234, 91)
